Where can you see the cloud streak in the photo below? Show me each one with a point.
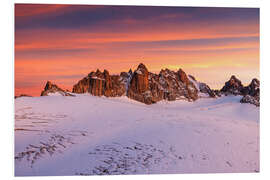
(62, 42)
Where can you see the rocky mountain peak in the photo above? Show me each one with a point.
(98, 71)
(233, 86)
(49, 85)
(147, 87)
(142, 69)
(250, 93)
(234, 81)
(106, 72)
(139, 82)
(51, 88)
(142, 66)
(101, 84)
(166, 73)
(255, 83)
(130, 71)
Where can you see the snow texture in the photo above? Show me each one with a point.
(88, 135)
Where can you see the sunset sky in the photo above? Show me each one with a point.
(63, 43)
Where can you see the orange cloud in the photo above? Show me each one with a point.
(210, 51)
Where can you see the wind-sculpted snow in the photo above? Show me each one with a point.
(88, 135)
(134, 158)
(55, 144)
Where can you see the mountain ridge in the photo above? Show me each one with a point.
(149, 88)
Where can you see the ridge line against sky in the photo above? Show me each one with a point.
(63, 43)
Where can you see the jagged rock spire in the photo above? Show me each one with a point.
(146, 87)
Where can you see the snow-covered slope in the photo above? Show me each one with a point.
(86, 135)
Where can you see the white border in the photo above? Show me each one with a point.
(7, 84)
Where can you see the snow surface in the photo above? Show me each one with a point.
(55, 94)
(88, 135)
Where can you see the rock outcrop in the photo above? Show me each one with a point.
(51, 88)
(253, 88)
(139, 86)
(233, 87)
(125, 78)
(252, 93)
(82, 86)
(101, 84)
(251, 100)
(150, 88)
(204, 88)
(146, 87)
(217, 92)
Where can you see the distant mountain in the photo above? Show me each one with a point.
(147, 87)
(250, 93)
(233, 86)
(51, 88)
(102, 84)
(140, 85)
(22, 95)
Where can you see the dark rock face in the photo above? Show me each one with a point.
(252, 93)
(125, 78)
(146, 87)
(97, 83)
(139, 86)
(101, 84)
(53, 88)
(233, 86)
(217, 93)
(251, 100)
(82, 86)
(139, 82)
(191, 89)
(204, 88)
(149, 88)
(176, 85)
(253, 88)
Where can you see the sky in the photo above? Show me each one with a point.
(63, 43)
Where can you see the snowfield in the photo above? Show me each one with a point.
(88, 135)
